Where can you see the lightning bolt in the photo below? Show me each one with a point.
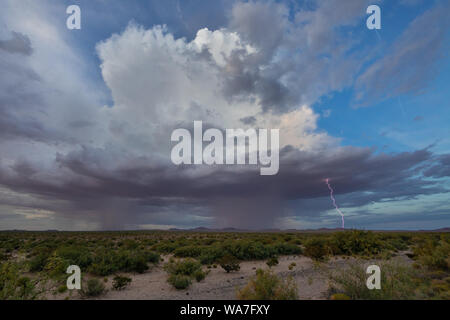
(334, 201)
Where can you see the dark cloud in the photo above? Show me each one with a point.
(231, 196)
(440, 169)
(19, 43)
(248, 120)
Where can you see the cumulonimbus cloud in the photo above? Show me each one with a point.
(69, 155)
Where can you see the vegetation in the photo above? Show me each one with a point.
(179, 281)
(120, 282)
(13, 286)
(181, 272)
(397, 282)
(32, 261)
(229, 263)
(273, 261)
(268, 286)
(93, 288)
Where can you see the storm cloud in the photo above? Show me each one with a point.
(78, 160)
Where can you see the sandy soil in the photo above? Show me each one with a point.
(311, 278)
(218, 284)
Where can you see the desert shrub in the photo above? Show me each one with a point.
(93, 288)
(210, 255)
(441, 288)
(129, 244)
(356, 242)
(199, 275)
(398, 244)
(62, 288)
(316, 249)
(286, 248)
(339, 296)
(179, 281)
(13, 286)
(3, 256)
(103, 267)
(38, 262)
(229, 263)
(183, 267)
(398, 281)
(120, 282)
(273, 261)
(188, 251)
(181, 272)
(268, 286)
(152, 257)
(292, 265)
(56, 266)
(164, 247)
(75, 255)
(248, 250)
(434, 255)
(133, 262)
(109, 262)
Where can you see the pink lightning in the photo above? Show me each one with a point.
(334, 201)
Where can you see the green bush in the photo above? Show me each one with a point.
(273, 261)
(268, 286)
(398, 281)
(316, 249)
(181, 272)
(357, 242)
(286, 248)
(229, 263)
(38, 262)
(120, 282)
(56, 266)
(434, 255)
(179, 281)
(199, 275)
(3, 256)
(188, 251)
(183, 267)
(109, 262)
(152, 257)
(75, 255)
(94, 288)
(13, 286)
(62, 288)
(339, 296)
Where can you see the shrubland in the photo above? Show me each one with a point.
(28, 258)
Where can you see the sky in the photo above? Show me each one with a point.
(86, 115)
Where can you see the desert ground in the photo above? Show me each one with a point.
(311, 279)
(224, 265)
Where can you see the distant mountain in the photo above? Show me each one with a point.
(320, 230)
(204, 229)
